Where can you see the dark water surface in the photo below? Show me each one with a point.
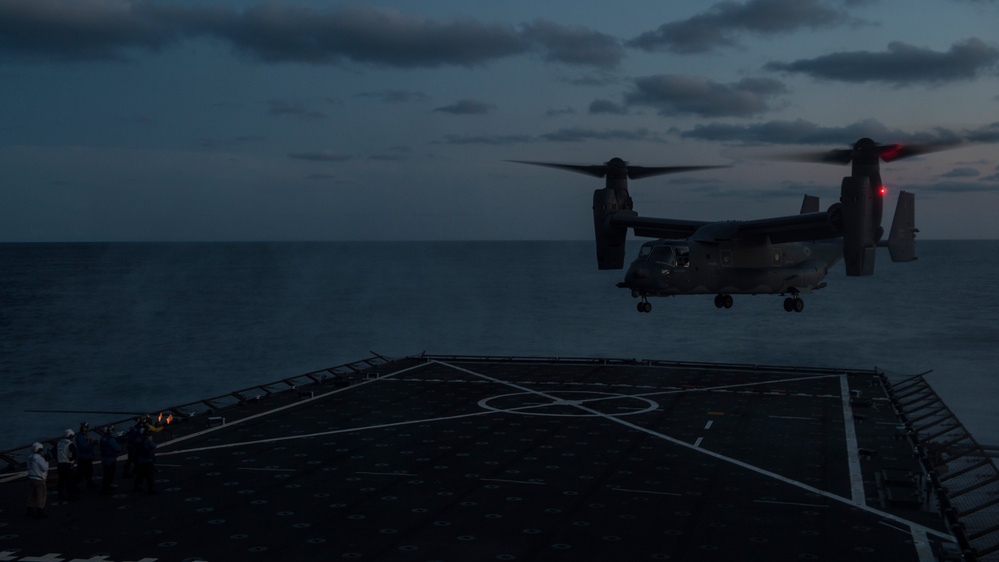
(141, 326)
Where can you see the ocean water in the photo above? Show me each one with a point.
(138, 327)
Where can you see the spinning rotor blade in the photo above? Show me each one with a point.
(886, 152)
(893, 152)
(617, 166)
(839, 156)
(595, 171)
(638, 172)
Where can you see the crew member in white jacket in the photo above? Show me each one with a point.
(38, 472)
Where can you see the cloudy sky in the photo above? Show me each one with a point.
(318, 120)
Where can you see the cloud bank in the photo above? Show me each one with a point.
(673, 94)
(900, 65)
(723, 23)
(37, 31)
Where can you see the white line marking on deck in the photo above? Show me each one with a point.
(12, 555)
(275, 410)
(899, 529)
(741, 385)
(708, 425)
(646, 492)
(578, 404)
(923, 548)
(512, 481)
(791, 503)
(731, 460)
(698, 442)
(306, 436)
(324, 433)
(852, 448)
(781, 478)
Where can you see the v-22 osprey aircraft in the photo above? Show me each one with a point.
(785, 255)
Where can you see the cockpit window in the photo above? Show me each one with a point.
(682, 256)
(665, 254)
(661, 255)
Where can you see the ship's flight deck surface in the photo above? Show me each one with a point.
(457, 458)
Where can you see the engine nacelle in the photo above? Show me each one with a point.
(610, 239)
(861, 231)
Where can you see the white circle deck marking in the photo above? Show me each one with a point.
(591, 404)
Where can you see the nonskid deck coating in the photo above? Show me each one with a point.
(436, 459)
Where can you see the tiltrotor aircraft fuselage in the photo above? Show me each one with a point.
(785, 255)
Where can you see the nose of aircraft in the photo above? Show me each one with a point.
(637, 275)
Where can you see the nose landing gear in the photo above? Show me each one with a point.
(644, 305)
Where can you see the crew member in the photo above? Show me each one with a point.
(109, 459)
(145, 457)
(148, 423)
(132, 440)
(65, 456)
(85, 456)
(38, 472)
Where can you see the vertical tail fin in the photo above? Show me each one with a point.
(902, 237)
(810, 204)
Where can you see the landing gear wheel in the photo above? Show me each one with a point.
(723, 301)
(645, 306)
(794, 304)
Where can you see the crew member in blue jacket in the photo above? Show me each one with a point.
(145, 457)
(85, 456)
(109, 459)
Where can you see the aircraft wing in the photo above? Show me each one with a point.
(651, 227)
(791, 228)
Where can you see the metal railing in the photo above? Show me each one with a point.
(13, 460)
(964, 476)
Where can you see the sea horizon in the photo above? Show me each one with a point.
(134, 326)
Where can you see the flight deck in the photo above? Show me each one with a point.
(457, 458)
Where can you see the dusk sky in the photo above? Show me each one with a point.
(149, 120)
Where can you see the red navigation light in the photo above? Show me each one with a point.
(882, 191)
(891, 152)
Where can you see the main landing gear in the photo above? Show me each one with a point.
(791, 304)
(794, 302)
